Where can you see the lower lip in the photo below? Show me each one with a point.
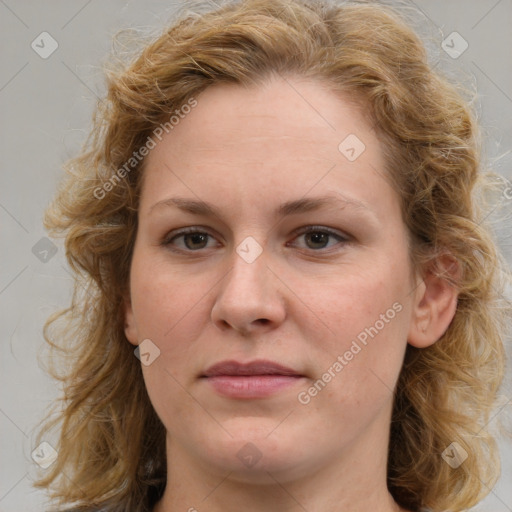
(256, 386)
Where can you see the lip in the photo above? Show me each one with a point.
(257, 367)
(256, 379)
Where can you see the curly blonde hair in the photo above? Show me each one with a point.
(111, 445)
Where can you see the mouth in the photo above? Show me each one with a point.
(256, 379)
(258, 367)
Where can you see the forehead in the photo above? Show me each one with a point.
(283, 136)
(227, 115)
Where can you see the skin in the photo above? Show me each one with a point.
(301, 303)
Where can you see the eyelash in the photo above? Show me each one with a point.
(167, 241)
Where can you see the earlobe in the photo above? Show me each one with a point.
(435, 304)
(130, 328)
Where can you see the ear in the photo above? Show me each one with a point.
(130, 327)
(435, 303)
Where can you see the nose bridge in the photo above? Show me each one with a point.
(248, 293)
(249, 273)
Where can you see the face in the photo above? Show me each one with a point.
(303, 262)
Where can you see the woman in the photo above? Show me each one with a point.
(288, 300)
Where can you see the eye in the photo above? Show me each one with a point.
(318, 237)
(193, 239)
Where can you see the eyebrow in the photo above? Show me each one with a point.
(295, 207)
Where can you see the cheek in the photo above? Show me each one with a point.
(162, 299)
(363, 336)
(351, 300)
(172, 309)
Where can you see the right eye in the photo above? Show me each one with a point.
(192, 240)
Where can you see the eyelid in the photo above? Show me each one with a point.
(185, 231)
(325, 229)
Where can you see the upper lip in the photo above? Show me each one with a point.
(257, 367)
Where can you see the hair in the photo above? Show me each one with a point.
(111, 442)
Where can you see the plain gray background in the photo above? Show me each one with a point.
(46, 106)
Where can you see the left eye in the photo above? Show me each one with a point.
(194, 239)
(319, 237)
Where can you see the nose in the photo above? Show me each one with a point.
(249, 299)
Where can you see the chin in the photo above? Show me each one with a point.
(259, 458)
